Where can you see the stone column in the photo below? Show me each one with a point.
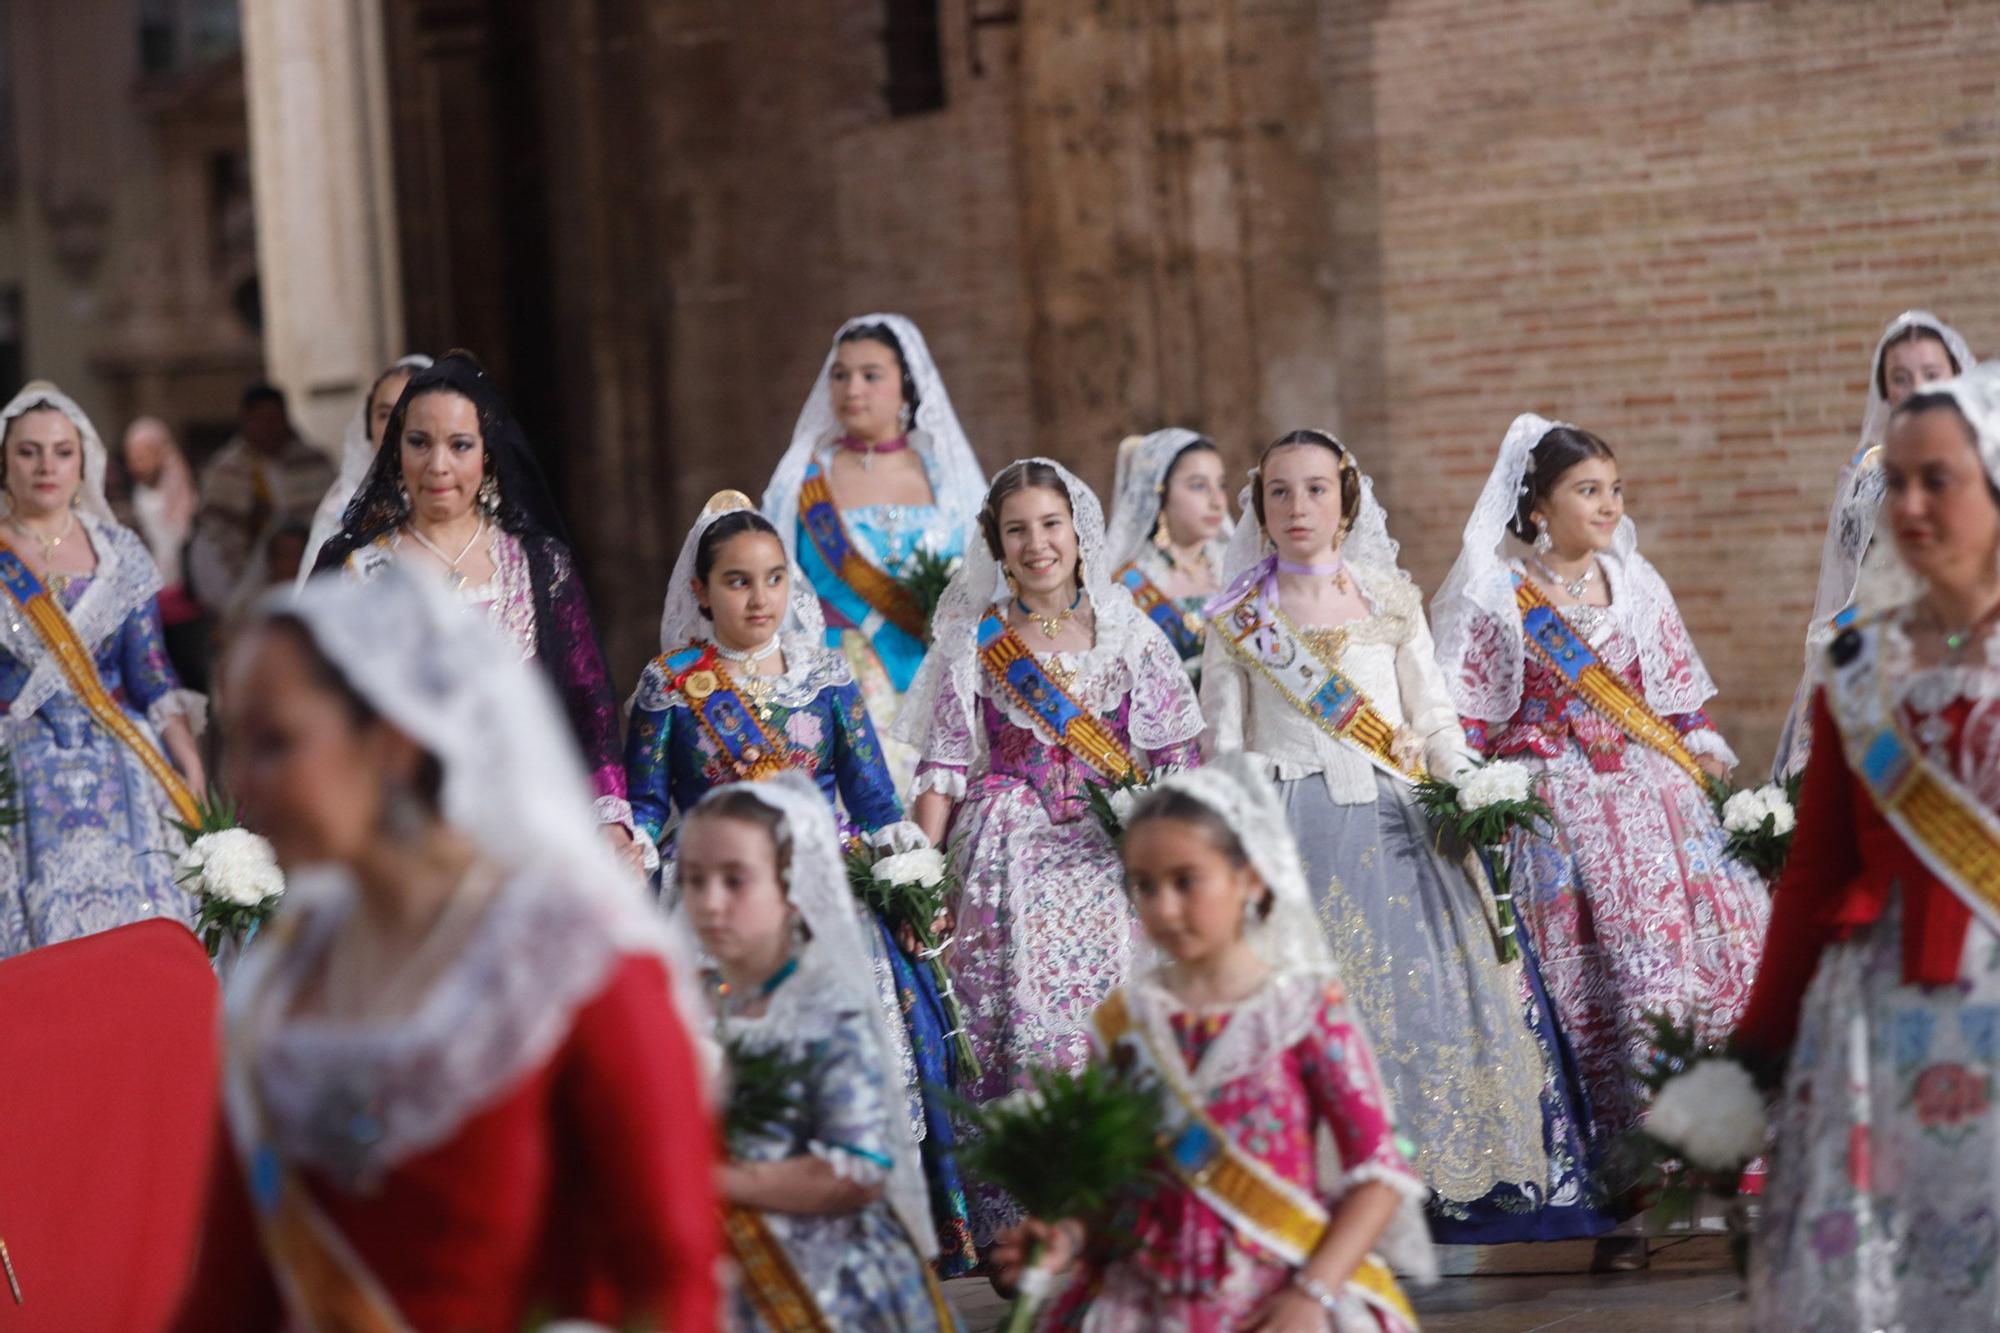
(320, 165)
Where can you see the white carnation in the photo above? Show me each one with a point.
(1712, 1115)
(1123, 802)
(1744, 812)
(1783, 818)
(924, 866)
(234, 865)
(1502, 783)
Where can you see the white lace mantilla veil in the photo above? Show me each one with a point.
(42, 394)
(1480, 586)
(1291, 941)
(1367, 542)
(126, 576)
(956, 479)
(681, 620)
(1137, 492)
(979, 584)
(514, 784)
(1885, 582)
(1850, 528)
(838, 962)
(357, 453)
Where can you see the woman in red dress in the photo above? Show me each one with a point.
(459, 1091)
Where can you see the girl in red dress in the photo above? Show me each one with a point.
(460, 1094)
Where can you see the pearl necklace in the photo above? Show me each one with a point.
(455, 575)
(1574, 587)
(752, 656)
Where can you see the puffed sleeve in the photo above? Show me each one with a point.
(852, 1114)
(1346, 1091)
(950, 746)
(646, 1147)
(148, 675)
(1428, 705)
(648, 767)
(1166, 720)
(1225, 691)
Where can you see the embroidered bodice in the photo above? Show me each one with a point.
(1552, 715)
(1130, 679)
(1388, 654)
(672, 759)
(132, 663)
(1271, 1071)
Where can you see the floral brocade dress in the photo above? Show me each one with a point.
(1883, 1204)
(92, 846)
(861, 1267)
(1277, 1072)
(1044, 929)
(1632, 905)
(816, 709)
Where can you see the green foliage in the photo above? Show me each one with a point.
(217, 811)
(1098, 795)
(926, 574)
(767, 1089)
(1073, 1145)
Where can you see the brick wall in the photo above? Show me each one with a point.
(1680, 224)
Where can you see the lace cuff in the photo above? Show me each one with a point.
(850, 1163)
(189, 704)
(1708, 741)
(901, 836)
(615, 810)
(946, 779)
(1397, 1177)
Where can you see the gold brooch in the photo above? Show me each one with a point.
(699, 685)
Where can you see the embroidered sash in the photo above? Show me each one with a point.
(1564, 651)
(1016, 670)
(1948, 828)
(1265, 1209)
(1264, 640)
(1182, 628)
(783, 1302)
(881, 590)
(323, 1282)
(697, 672)
(46, 616)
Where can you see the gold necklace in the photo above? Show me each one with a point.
(1051, 625)
(57, 582)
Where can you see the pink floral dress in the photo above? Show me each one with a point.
(1044, 930)
(1279, 1072)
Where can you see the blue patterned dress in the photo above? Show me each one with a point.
(862, 1267)
(671, 762)
(92, 847)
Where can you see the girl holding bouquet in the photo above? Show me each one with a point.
(825, 1208)
(1036, 688)
(1319, 661)
(745, 689)
(1564, 651)
(1242, 1018)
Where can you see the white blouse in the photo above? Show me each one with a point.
(1388, 654)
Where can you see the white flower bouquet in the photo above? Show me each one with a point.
(910, 890)
(1482, 807)
(232, 872)
(1760, 823)
(1706, 1122)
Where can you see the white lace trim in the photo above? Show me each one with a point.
(190, 704)
(849, 1164)
(356, 1102)
(946, 779)
(1708, 741)
(901, 836)
(811, 669)
(125, 580)
(1143, 463)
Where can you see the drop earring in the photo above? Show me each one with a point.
(1543, 544)
(489, 494)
